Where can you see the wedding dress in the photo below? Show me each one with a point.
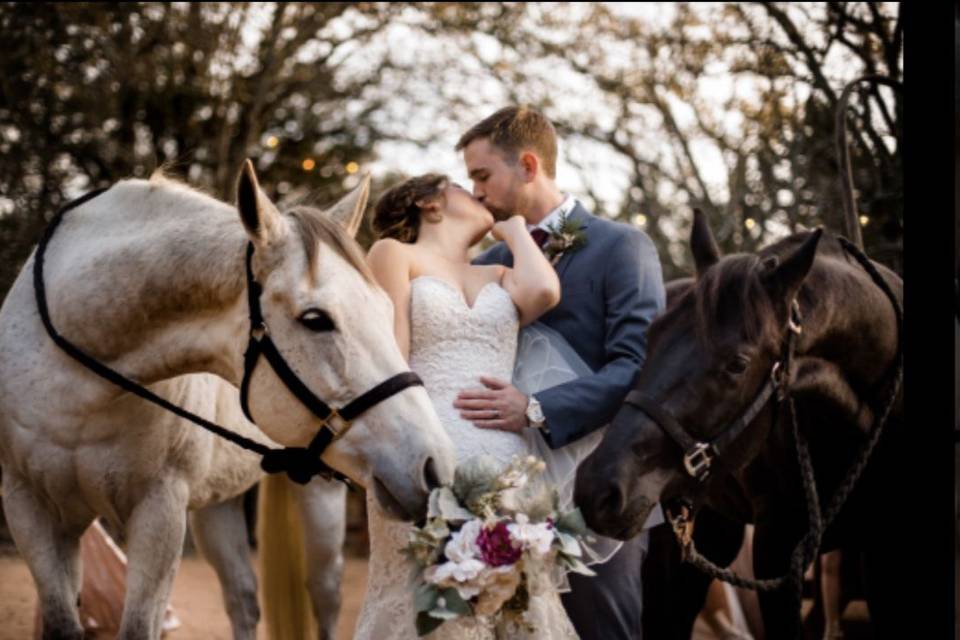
(451, 346)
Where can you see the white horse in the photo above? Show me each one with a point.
(148, 278)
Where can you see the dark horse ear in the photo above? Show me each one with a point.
(704, 247)
(783, 277)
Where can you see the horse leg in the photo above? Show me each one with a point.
(221, 535)
(772, 547)
(155, 532)
(323, 510)
(718, 538)
(53, 555)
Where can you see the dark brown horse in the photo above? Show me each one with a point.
(709, 356)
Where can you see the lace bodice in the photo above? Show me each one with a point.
(451, 345)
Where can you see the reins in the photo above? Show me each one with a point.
(299, 463)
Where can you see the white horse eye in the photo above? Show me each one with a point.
(317, 320)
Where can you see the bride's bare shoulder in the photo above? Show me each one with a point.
(389, 250)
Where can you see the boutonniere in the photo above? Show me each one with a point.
(566, 235)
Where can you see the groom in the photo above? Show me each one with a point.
(611, 289)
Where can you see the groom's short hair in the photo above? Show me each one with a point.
(518, 128)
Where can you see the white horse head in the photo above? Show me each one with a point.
(334, 327)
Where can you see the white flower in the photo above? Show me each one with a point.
(535, 538)
(516, 479)
(463, 543)
(454, 573)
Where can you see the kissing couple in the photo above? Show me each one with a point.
(583, 289)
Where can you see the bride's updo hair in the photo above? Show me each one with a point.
(397, 214)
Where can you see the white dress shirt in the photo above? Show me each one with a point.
(553, 218)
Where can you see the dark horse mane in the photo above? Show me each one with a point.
(732, 291)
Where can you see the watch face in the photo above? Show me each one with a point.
(534, 412)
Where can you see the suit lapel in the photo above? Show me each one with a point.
(580, 214)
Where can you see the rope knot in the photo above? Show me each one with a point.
(297, 462)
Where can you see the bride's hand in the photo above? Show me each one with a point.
(512, 225)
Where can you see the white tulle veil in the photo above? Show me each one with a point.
(545, 359)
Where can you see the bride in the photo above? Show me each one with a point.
(454, 322)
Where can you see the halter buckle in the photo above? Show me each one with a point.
(338, 429)
(778, 377)
(698, 460)
(793, 321)
(682, 525)
(257, 332)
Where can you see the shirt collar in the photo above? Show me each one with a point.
(553, 218)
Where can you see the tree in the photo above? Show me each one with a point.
(98, 92)
(674, 89)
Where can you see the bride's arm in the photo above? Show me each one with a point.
(389, 260)
(532, 282)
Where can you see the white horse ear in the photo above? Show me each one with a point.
(348, 213)
(260, 217)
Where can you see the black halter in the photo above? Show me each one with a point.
(698, 456)
(300, 463)
(335, 422)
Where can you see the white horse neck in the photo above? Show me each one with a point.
(149, 278)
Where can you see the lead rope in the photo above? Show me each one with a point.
(807, 547)
(290, 460)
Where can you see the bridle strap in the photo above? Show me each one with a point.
(298, 461)
(698, 456)
(664, 419)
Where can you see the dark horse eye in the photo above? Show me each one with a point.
(317, 320)
(738, 365)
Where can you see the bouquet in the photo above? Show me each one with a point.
(490, 542)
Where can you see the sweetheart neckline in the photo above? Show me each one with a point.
(455, 289)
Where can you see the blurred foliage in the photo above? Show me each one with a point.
(92, 93)
(655, 95)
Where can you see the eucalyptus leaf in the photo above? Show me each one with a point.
(455, 602)
(568, 544)
(574, 565)
(425, 597)
(426, 623)
(449, 507)
(443, 614)
(572, 522)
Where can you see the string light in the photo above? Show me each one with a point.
(749, 223)
(272, 142)
(308, 164)
(352, 167)
(640, 220)
(864, 221)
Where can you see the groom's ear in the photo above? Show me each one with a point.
(530, 164)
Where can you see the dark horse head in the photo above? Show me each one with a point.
(712, 353)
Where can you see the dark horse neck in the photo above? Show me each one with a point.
(849, 342)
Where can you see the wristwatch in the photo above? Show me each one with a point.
(535, 417)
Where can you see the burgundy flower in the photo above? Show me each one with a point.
(496, 547)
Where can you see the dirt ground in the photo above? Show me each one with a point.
(196, 601)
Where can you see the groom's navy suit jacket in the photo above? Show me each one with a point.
(611, 289)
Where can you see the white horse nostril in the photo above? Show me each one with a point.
(430, 475)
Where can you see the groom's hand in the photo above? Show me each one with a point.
(500, 405)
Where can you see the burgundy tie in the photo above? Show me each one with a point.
(539, 236)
